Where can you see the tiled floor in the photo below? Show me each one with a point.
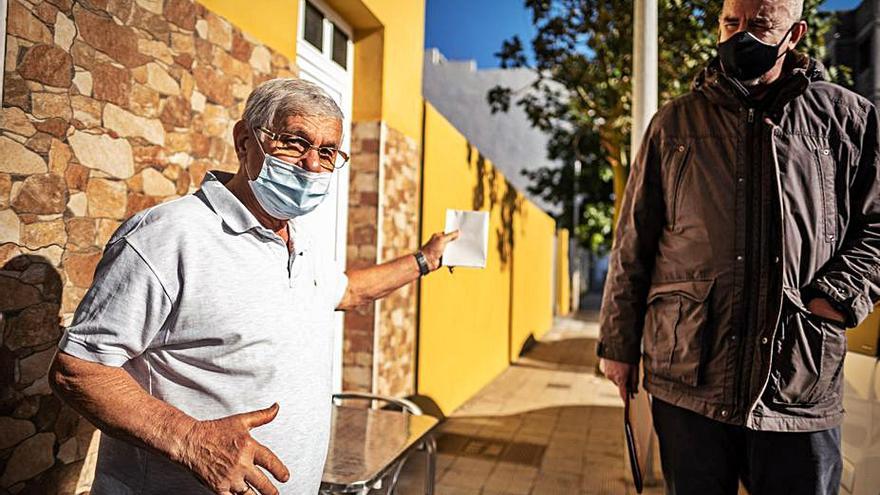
(547, 425)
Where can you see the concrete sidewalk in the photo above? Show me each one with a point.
(547, 425)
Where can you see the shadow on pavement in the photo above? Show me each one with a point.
(547, 425)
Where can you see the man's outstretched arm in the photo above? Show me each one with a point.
(221, 453)
(369, 284)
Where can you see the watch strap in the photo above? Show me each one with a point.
(424, 269)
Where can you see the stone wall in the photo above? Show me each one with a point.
(395, 356)
(379, 348)
(363, 207)
(109, 107)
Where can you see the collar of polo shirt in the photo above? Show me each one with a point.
(237, 217)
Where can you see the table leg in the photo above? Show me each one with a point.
(430, 471)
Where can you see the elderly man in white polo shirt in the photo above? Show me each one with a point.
(209, 308)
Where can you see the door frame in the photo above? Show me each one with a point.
(318, 65)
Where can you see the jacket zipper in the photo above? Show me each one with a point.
(780, 274)
(740, 376)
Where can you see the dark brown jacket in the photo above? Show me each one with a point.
(734, 216)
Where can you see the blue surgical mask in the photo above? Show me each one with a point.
(286, 190)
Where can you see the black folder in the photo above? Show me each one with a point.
(638, 427)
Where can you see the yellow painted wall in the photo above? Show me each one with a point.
(389, 41)
(865, 338)
(467, 321)
(533, 277)
(271, 21)
(563, 280)
(463, 316)
(404, 45)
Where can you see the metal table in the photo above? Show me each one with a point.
(367, 445)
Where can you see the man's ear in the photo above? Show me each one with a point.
(240, 137)
(798, 32)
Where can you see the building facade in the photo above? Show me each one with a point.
(855, 43)
(113, 106)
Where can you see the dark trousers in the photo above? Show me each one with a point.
(701, 456)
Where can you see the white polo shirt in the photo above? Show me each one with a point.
(211, 313)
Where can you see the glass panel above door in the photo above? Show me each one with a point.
(340, 47)
(313, 29)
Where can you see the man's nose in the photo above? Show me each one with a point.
(310, 161)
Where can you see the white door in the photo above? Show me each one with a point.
(324, 55)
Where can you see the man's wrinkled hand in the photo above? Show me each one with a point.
(433, 249)
(624, 375)
(224, 456)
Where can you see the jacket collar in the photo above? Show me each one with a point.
(798, 71)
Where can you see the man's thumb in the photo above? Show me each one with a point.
(261, 416)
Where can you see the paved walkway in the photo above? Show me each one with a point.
(547, 425)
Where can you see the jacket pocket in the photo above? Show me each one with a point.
(807, 357)
(825, 170)
(677, 315)
(678, 166)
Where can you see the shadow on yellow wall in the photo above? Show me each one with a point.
(474, 322)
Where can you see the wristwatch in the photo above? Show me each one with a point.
(424, 268)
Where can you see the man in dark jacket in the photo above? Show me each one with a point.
(748, 241)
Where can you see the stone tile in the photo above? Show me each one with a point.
(15, 120)
(19, 160)
(48, 64)
(59, 157)
(80, 267)
(65, 31)
(111, 83)
(86, 112)
(104, 153)
(41, 194)
(107, 198)
(118, 42)
(181, 13)
(31, 457)
(41, 234)
(82, 79)
(24, 24)
(35, 325)
(35, 366)
(49, 105)
(159, 80)
(127, 124)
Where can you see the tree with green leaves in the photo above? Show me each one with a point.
(581, 96)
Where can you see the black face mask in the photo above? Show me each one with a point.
(746, 58)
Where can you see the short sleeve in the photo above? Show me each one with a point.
(121, 313)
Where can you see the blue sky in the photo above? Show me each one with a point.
(474, 29)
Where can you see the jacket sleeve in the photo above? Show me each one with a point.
(851, 279)
(639, 226)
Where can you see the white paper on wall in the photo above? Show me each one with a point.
(472, 246)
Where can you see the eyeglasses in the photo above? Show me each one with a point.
(296, 147)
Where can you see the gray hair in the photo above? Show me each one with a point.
(795, 10)
(285, 97)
